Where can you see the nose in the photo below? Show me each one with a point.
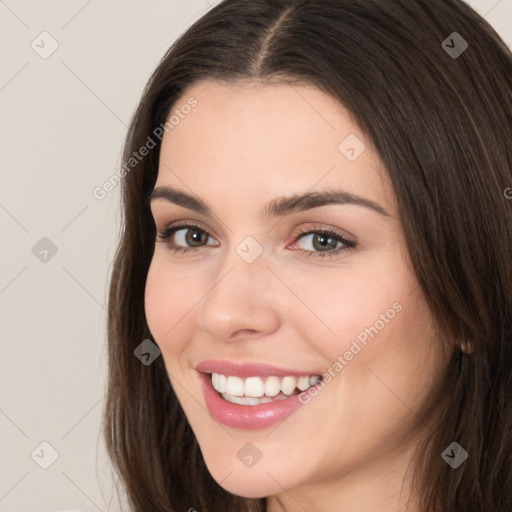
(242, 301)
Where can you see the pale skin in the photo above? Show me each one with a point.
(349, 447)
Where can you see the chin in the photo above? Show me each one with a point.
(267, 477)
(247, 485)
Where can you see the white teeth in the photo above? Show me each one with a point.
(303, 383)
(234, 386)
(288, 384)
(215, 380)
(272, 386)
(256, 390)
(246, 400)
(254, 387)
(222, 383)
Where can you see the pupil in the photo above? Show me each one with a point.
(324, 240)
(196, 236)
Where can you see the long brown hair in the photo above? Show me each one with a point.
(442, 125)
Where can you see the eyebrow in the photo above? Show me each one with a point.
(277, 207)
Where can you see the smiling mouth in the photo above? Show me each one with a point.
(260, 390)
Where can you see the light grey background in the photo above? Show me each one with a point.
(63, 119)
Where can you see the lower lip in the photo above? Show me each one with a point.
(247, 417)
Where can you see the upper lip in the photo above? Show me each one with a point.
(244, 370)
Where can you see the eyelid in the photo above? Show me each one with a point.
(348, 242)
(186, 224)
(343, 233)
(315, 226)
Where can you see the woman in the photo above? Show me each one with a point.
(311, 303)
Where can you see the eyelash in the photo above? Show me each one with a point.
(168, 231)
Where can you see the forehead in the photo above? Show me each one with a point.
(265, 110)
(259, 139)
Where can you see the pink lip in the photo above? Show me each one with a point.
(247, 370)
(247, 417)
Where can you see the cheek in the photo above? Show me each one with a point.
(167, 300)
(155, 299)
(350, 304)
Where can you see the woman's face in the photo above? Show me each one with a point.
(263, 299)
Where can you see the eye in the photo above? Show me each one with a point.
(191, 235)
(324, 242)
(187, 238)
